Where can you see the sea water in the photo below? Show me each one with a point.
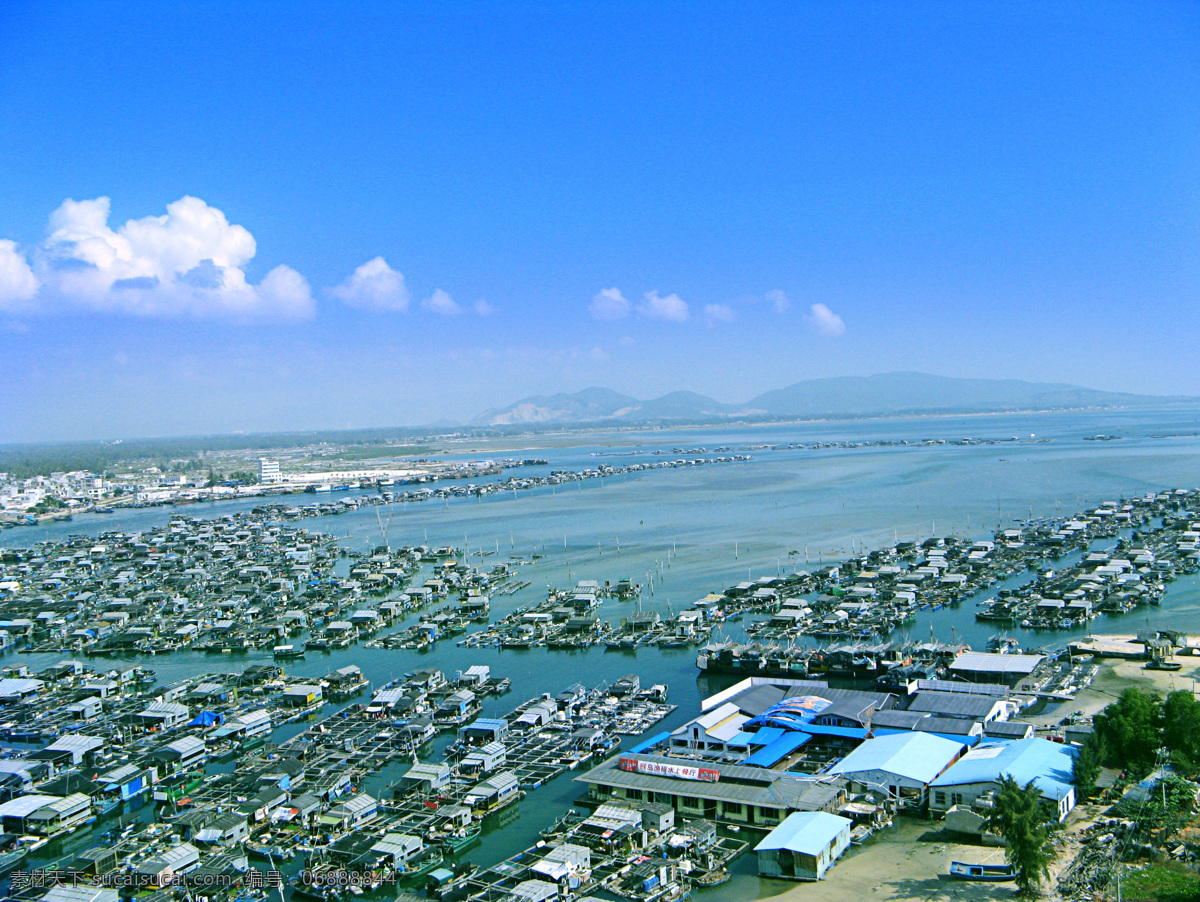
(691, 531)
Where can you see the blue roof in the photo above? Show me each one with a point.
(649, 743)
(778, 750)
(485, 723)
(915, 756)
(807, 832)
(1047, 764)
(740, 739)
(767, 735)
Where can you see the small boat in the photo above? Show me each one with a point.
(1163, 665)
(455, 842)
(963, 871)
(9, 860)
(288, 651)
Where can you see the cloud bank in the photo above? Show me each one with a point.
(186, 263)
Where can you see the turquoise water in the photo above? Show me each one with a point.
(702, 529)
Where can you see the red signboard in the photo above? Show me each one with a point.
(664, 769)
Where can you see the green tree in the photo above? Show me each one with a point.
(1018, 816)
(1131, 728)
(1181, 728)
(1092, 755)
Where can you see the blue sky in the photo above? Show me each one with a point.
(333, 215)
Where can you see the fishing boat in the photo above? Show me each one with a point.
(289, 651)
(455, 842)
(962, 871)
(12, 857)
(421, 866)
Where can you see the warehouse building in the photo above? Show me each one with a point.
(902, 765)
(1049, 765)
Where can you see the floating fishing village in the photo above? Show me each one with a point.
(828, 731)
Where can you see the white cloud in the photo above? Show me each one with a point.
(286, 292)
(671, 308)
(626, 341)
(777, 299)
(440, 302)
(374, 286)
(483, 308)
(609, 305)
(824, 321)
(599, 355)
(718, 313)
(17, 281)
(186, 263)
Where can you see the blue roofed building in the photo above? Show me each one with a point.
(899, 764)
(804, 846)
(1048, 765)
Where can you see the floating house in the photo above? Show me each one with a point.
(804, 846)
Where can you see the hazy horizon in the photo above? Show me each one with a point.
(320, 218)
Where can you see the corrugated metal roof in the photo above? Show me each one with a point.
(914, 756)
(187, 745)
(359, 803)
(485, 723)
(23, 806)
(738, 783)
(769, 755)
(397, 844)
(75, 744)
(165, 708)
(1048, 764)
(953, 703)
(807, 832)
(900, 720)
(80, 892)
(11, 686)
(991, 662)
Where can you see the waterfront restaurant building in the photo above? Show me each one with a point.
(730, 793)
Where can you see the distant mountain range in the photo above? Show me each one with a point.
(888, 393)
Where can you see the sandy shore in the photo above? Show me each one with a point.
(910, 862)
(907, 861)
(1115, 677)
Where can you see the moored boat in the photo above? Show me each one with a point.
(961, 870)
